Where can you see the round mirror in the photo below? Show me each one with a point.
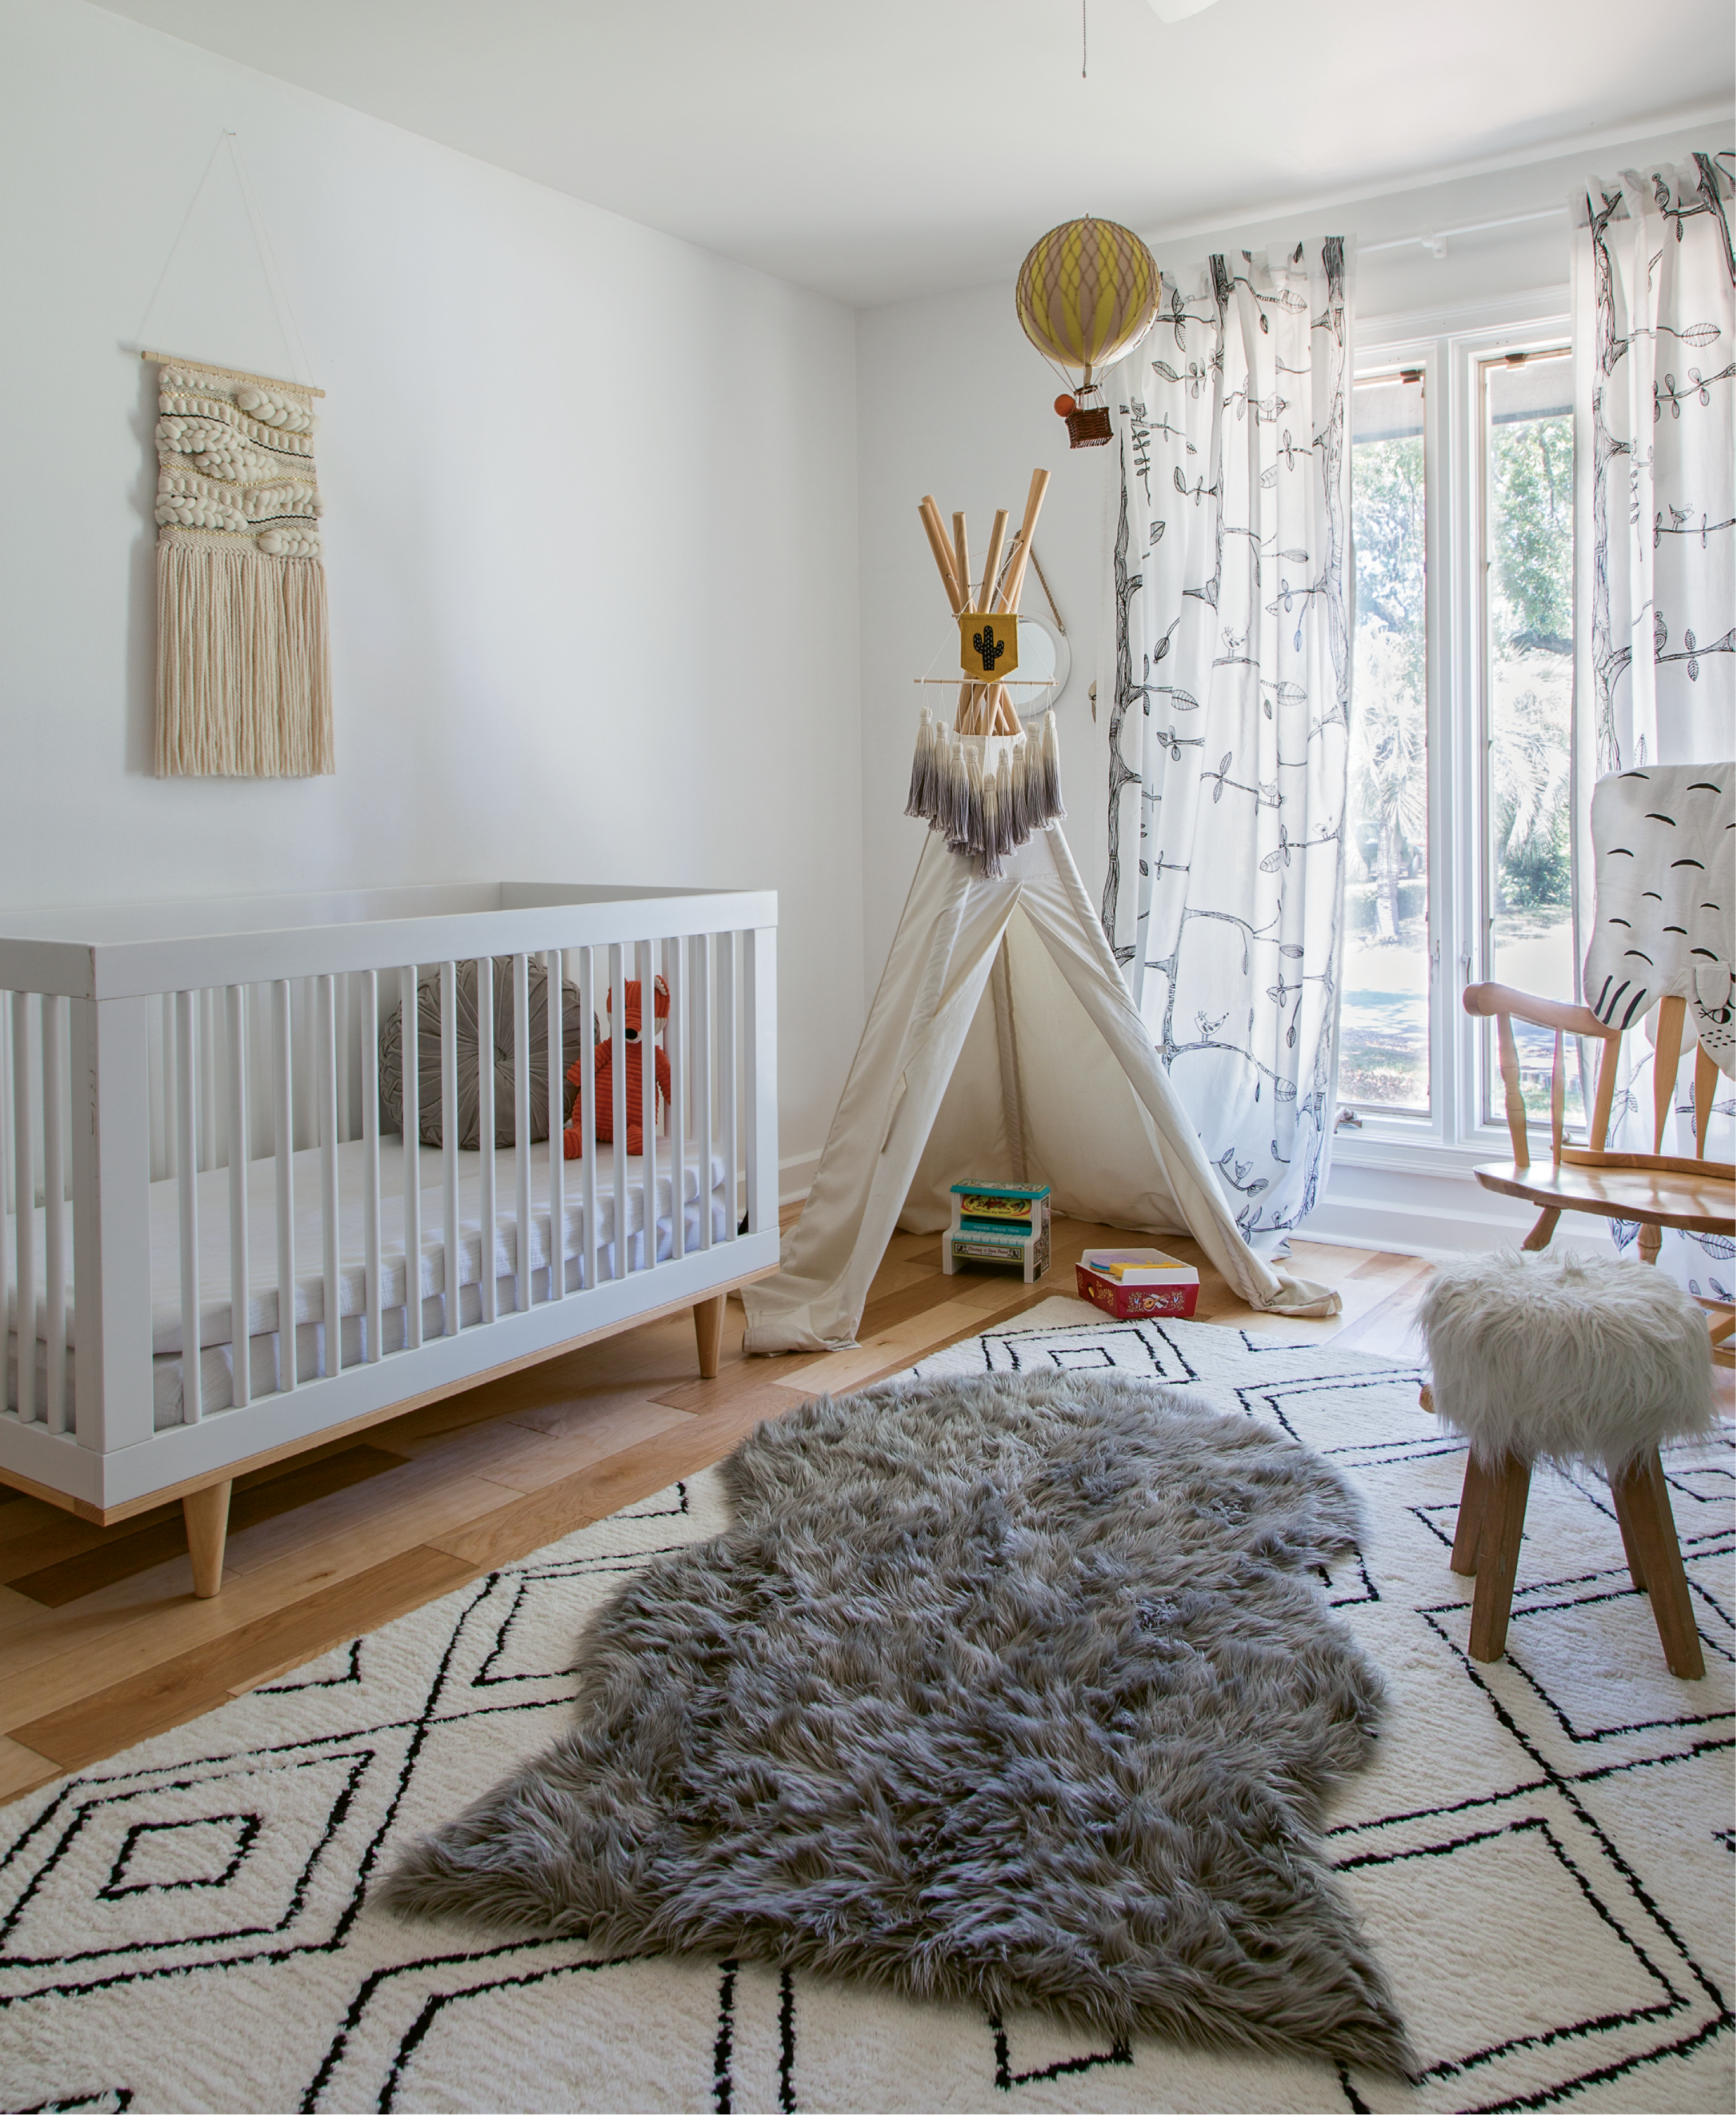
(1044, 656)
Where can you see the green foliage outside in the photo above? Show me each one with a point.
(1531, 471)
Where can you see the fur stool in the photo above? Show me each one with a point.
(1560, 1359)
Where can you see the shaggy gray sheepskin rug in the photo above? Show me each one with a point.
(1014, 1690)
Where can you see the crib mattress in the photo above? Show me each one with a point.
(216, 1331)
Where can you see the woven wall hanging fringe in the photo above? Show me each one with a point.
(243, 672)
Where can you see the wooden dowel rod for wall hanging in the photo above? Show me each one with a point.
(233, 374)
(961, 552)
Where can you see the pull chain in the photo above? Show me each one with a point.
(1084, 38)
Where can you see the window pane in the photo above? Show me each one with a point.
(1528, 628)
(1383, 1048)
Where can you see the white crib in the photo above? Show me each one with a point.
(190, 1134)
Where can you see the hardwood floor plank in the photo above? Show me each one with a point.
(126, 1550)
(155, 1617)
(617, 1481)
(191, 1683)
(22, 1770)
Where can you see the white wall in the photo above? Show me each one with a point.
(953, 399)
(589, 529)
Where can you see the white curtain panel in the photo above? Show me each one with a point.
(1654, 538)
(1228, 722)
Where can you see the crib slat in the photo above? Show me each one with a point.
(759, 1043)
(367, 1008)
(584, 1115)
(325, 1040)
(410, 1085)
(54, 1203)
(451, 1239)
(282, 1096)
(207, 1017)
(165, 1078)
(24, 1205)
(241, 1360)
(617, 1063)
(7, 1162)
(648, 1049)
(557, 1145)
(674, 954)
(522, 1064)
(186, 1100)
(703, 1078)
(347, 1127)
(726, 1079)
(487, 1286)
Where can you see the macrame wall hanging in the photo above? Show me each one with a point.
(244, 673)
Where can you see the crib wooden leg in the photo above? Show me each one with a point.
(207, 1516)
(708, 1330)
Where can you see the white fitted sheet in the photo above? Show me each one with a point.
(215, 1323)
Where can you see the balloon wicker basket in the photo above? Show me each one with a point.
(1088, 426)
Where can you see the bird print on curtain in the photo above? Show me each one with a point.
(1228, 727)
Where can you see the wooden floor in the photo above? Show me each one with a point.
(103, 1643)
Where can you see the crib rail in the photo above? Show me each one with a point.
(209, 1228)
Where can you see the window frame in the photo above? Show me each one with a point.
(1448, 347)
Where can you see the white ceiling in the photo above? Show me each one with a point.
(891, 147)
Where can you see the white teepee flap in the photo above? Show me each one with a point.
(927, 1101)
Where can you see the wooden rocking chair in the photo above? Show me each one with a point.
(1658, 1190)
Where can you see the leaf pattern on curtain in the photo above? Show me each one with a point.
(1654, 527)
(1228, 729)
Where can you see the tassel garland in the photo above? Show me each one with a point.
(986, 793)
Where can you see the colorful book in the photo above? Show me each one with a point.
(1139, 1268)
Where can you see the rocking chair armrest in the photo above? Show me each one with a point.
(1565, 1015)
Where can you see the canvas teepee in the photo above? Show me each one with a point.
(1002, 1044)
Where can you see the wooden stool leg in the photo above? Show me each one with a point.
(1648, 1527)
(1539, 1237)
(708, 1330)
(1497, 1558)
(206, 1515)
(1473, 1506)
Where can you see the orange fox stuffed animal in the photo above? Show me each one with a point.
(573, 1140)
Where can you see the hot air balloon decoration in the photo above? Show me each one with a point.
(1087, 293)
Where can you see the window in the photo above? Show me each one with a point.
(1458, 865)
(1383, 1022)
(1525, 421)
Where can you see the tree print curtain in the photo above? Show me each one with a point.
(1229, 724)
(1655, 534)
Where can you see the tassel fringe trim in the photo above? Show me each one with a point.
(987, 793)
(243, 670)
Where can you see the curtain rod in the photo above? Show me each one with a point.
(1436, 240)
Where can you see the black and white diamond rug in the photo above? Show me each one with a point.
(1542, 1853)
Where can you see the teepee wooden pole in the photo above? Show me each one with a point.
(931, 521)
(992, 564)
(1027, 535)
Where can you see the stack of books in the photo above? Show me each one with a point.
(999, 1224)
(1124, 1283)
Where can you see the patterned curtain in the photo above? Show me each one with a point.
(1228, 727)
(1654, 530)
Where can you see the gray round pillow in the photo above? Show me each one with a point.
(572, 1030)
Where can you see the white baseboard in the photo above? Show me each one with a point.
(1429, 1216)
(795, 1175)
